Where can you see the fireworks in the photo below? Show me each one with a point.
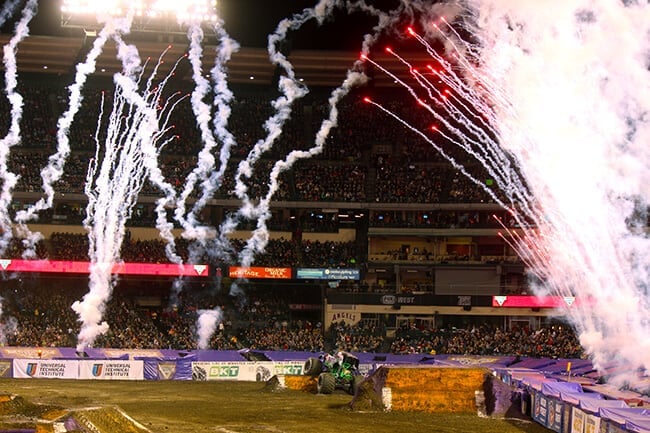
(553, 104)
(548, 111)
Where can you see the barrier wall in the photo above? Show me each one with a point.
(565, 407)
(152, 369)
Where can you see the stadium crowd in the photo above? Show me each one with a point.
(364, 160)
(40, 318)
(554, 341)
(360, 162)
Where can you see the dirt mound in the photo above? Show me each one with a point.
(16, 413)
(367, 399)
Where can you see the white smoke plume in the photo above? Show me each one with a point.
(576, 78)
(54, 170)
(205, 174)
(206, 325)
(565, 92)
(135, 132)
(291, 91)
(12, 138)
(8, 327)
(8, 10)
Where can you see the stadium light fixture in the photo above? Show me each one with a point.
(147, 14)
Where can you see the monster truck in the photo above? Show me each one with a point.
(339, 371)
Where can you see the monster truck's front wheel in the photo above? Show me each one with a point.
(326, 383)
(312, 367)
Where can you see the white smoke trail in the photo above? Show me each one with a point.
(291, 90)
(219, 246)
(205, 174)
(205, 326)
(566, 92)
(8, 10)
(136, 124)
(136, 133)
(54, 170)
(132, 64)
(132, 68)
(8, 326)
(12, 138)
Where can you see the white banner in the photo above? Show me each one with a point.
(46, 369)
(111, 370)
(212, 370)
(289, 368)
(245, 371)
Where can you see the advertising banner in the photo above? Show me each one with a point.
(610, 427)
(167, 370)
(45, 369)
(540, 408)
(347, 317)
(12, 352)
(290, 368)
(259, 272)
(578, 419)
(567, 421)
(535, 301)
(245, 371)
(327, 274)
(554, 418)
(592, 424)
(205, 370)
(111, 370)
(71, 267)
(5, 368)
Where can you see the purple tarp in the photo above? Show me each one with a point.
(535, 382)
(475, 361)
(534, 363)
(574, 398)
(638, 425)
(560, 365)
(218, 355)
(593, 405)
(389, 358)
(554, 389)
(273, 355)
(96, 353)
(621, 415)
(168, 369)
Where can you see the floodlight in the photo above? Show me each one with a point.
(147, 15)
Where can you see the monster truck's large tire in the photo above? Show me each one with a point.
(312, 367)
(326, 383)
